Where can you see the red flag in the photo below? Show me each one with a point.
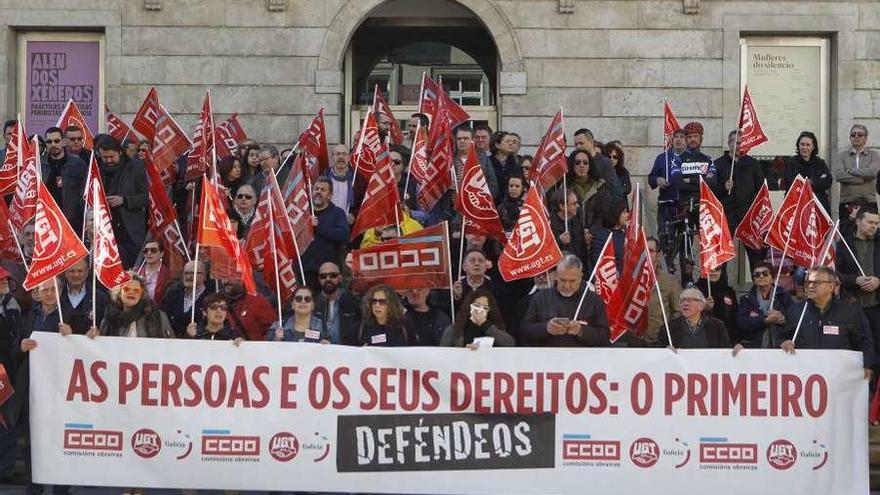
(313, 144)
(756, 222)
(24, 203)
(369, 147)
(422, 263)
(670, 125)
(805, 225)
(215, 230)
(201, 157)
(162, 219)
(269, 239)
(56, 246)
(635, 219)
(168, 141)
(435, 103)
(606, 272)
(117, 127)
(72, 116)
(716, 244)
(108, 264)
(433, 182)
(438, 176)
(8, 243)
(6, 389)
(628, 309)
(14, 159)
(531, 249)
(828, 252)
(380, 106)
(419, 166)
(550, 161)
(381, 204)
(297, 200)
(228, 134)
(749, 127)
(474, 201)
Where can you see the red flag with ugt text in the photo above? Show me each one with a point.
(380, 106)
(420, 261)
(532, 248)
(369, 147)
(269, 241)
(13, 160)
(297, 200)
(215, 230)
(313, 144)
(474, 201)
(24, 202)
(8, 243)
(670, 125)
(433, 183)
(117, 127)
(750, 129)
(381, 204)
(628, 309)
(606, 272)
(441, 153)
(716, 244)
(168, 141)
(228, 134)
(201, 157)
(800, 225)
(435, 103)
(56, 245)
(72, 116)
(550, 161)
(419, 166)
(107, 262)
(162, 219)
(756, 222)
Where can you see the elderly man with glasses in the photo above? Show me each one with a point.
(755, 319)
(694, 329)
(827, 322)
(855, 167)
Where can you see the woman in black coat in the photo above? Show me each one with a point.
(806, 163)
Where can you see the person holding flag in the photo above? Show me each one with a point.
(125, 184)
(756, 320)
(736, 192)
(694, 329)
(667, 200)
(64, 175)
(859, 266)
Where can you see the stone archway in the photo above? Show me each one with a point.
(329, 74)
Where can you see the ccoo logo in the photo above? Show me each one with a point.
(283, 446)
(781, 454)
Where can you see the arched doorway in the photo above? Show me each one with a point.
(399, 40)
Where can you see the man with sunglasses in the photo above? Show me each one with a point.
(828, 323)
(336, 307)
(756, 321)
(74, 140)
(856, 169)
(64, 175)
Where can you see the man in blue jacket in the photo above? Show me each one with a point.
(659, 177)
(331, 231)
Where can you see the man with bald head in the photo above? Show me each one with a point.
(341, 174)
(177, 299)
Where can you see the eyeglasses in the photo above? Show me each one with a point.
(135, 289)
(217, 307)
(148, 250)
(817, 282)
(690, 300)
(380, 302)
(396, 162)
(613, 157)
(762, 273)
(302, 299)
(52, 141)
(857, 134)
(243, 196)
(75, 138)
(582, 162)
(323, 276)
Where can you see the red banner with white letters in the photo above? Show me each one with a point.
(414, 261)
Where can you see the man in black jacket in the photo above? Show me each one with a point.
(177, 299)
(862, 287)
(827, 322)
(65, 177)
(548, 321)
(125, 184)
(337, 308)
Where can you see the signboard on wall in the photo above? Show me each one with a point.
(788, 81)
(57, 67)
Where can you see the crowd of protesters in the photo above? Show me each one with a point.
(704, 312)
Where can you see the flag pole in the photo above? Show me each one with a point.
(86, 206)
(271, 226)
(848, 248)
(449, 259)
(182, 240)
(411, 158)
(17, 243)
(590, 280)
(822, 255)
(461, 247)
(192, 318)
(360, 146)
(58, 300)
(659, 295)
(94, 248)
(287, 160)
(565, 180)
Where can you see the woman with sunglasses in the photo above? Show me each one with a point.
(382, 323)
(756, 321)
(478, 316)
(303, 325)
(214, 325)
(131, 313)
(614, 152)
(592, 190)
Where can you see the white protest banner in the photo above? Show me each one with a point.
(284, 416)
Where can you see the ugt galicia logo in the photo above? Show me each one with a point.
(283, 446)
(146, 443)
(644, 452)
(781, 454)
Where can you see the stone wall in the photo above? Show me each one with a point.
(609, 64)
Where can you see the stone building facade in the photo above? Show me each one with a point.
(609, 63)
